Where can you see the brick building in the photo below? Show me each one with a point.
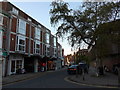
(108, 51)
(26, 43)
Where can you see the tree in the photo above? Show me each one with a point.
(81, 24)
(82, 58)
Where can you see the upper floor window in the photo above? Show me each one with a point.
(29, 19)
(48, 50)
(55, 51)
(47, 38)
(22, 27)
(37, 47)
(20, 43)
(1, 19)
(37, 33)
(55, 41)
(15, 11)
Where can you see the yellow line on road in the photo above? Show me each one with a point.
(66, 79)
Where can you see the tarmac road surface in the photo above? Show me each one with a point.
(55, 79)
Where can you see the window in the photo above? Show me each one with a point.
(1, 19)
(55, 42)
(37, 47)
(47, 50)
(37, 33)
(47, 38)
(29, 19)
(15, 11)
(55, 51)
(22, 27)
(21, 43)
(18, 64)
(13, 66)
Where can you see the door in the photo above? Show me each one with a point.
(13, 67)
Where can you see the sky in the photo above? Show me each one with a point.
(40, 12)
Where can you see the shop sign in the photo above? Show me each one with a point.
(4, 54)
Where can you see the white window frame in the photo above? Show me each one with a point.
(55, 51)
(22, 27)
(15, 11)
(47, 51)
(18, 42)
(29, 19)
(35, 47)
(1, 19)
(47, 38)
(55, 42)
(37, 33)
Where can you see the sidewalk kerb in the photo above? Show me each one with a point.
(86, 84)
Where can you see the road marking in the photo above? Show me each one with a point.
(66, 79)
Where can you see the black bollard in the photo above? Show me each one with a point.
(83, 73)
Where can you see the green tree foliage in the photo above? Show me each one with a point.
(82, 23)
(108, 36)
(82, 58)
(88, 25)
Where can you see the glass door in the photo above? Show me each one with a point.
(13, 67)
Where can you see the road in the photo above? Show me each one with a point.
(49, 80)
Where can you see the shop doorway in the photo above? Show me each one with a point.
(15, 65)
(29, 64)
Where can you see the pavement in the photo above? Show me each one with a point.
(20, 77)
(109, 80)
(90, 79)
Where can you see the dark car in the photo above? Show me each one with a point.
(83, 66)
(72, 69)
(115, 68)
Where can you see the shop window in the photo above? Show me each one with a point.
(22, 27)
(18, 64)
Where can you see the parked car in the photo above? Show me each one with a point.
(115, 68)
(83, 66)
(72, 69)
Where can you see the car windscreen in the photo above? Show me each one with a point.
(73, 66)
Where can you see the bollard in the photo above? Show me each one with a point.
(119, 77)
(77, 72)
(83, 73)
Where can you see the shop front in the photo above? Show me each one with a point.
(15, 63)
(51, 64)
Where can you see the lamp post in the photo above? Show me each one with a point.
(118, 58)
